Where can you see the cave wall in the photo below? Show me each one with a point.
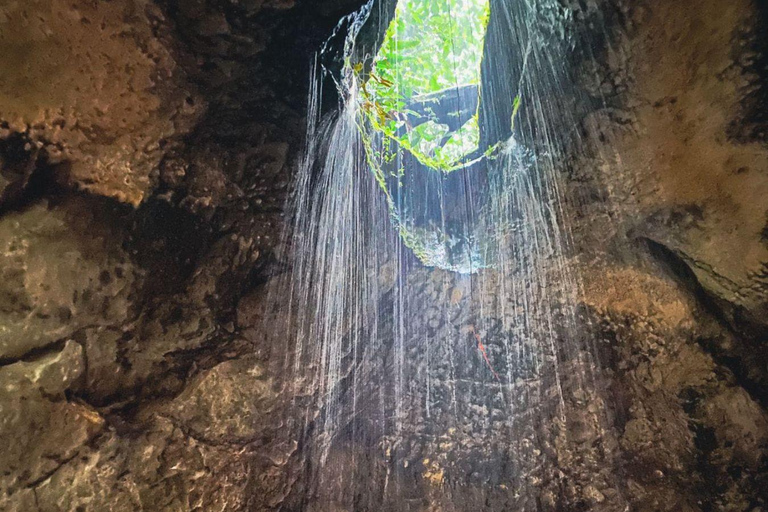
(146, 151)
(673, 193)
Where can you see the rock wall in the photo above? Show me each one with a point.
(146, 151)
(95, 89)
(145, 154)
(674, 192)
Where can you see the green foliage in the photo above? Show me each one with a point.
(430, 46)
(515, 110)
(432, 49)
(433, 45)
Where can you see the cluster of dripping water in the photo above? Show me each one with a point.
(453, 388)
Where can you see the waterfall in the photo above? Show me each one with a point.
(434, 310)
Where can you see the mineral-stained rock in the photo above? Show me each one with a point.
(160, 470)
(122, 360)
(234, 402)
(61, 268)
(682, 416)
(189, 453)
(697, 191)
(94, 87)
(39, 428)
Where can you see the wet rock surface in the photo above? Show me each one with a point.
(146, 151)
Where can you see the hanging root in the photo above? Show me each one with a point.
(482, 350)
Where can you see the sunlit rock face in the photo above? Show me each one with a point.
(95, 88)
(698, 194)
(138, 371)
(55, 283)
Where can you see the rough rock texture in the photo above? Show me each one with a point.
(135, 367)
(93, 88)
(692, 437)
(62, 269)
(120, 346)
(681, 170)
(699, 193)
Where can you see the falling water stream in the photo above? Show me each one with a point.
(433, 305)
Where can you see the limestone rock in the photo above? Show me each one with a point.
(700, 193)
(40, 428)
(61, 268)
(234, 402)
(139, 369)
(94, 87)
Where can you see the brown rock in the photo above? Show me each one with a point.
(94, 87)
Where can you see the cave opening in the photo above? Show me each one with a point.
(431, 254)
(493, 255)
(422, 91)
